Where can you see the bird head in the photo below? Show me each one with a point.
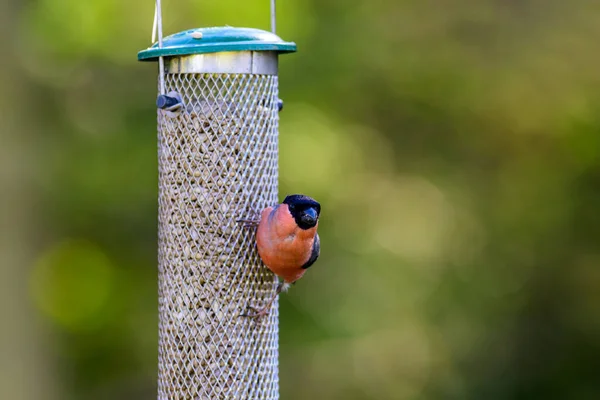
(304, 209)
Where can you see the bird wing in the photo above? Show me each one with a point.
(316, 252)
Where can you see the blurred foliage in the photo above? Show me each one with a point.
(454, 146)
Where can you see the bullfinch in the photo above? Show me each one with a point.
(287, 241)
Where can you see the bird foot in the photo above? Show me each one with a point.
(257, 313)
(248, 223)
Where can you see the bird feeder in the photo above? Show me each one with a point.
(218, 117)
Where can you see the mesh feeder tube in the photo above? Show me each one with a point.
(218, 162)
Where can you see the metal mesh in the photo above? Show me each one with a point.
(218, 162)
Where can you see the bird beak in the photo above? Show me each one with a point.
(309, 216)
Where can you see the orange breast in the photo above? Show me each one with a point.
(282, 245)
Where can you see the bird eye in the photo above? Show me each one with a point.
(292, 207)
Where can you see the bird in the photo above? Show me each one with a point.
(287, 241)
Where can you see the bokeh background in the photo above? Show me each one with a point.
(453, 144)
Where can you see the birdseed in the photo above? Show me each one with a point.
(217, 163)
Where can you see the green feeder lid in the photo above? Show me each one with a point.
(214, 40)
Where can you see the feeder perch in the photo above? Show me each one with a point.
(218, 162)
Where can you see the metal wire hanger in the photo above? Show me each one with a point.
(157, 30)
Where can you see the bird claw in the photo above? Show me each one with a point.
(256, 313)
(248, 223)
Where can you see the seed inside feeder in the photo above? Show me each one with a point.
(216, 165)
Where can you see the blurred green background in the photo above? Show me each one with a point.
(453, 144)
